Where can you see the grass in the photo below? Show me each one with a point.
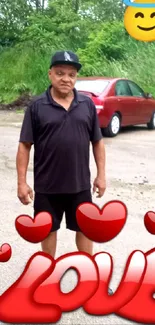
(26, 70)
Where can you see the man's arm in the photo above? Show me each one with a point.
(99, 155)
(26, 139)
(22, 161)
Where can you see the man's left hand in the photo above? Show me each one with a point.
(100, 184)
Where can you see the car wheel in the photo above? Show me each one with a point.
(151, 124)
(114, 126)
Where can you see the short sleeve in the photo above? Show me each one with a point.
(27, 129)
(96, 134)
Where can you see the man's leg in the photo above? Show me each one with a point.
(83, 243)
(52, 204)
(49, 244)
(72, 202)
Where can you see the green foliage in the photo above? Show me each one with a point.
(25, 71)
(141, 67)
(13, 18)
(103, 10)
(31, 31)
(59, 27)
(108, 42)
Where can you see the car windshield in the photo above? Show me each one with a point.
(93, 86)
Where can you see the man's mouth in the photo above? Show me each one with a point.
(147, 29)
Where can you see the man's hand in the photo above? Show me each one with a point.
(100, 184)
(25, 193)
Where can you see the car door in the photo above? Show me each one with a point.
(125, 103)
(141, 102)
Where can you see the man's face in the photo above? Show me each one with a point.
(63, 78)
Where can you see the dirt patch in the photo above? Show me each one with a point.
(20, 103)
(11, 118)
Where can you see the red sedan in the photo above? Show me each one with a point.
(119, 102)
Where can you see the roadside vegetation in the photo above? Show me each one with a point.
(31, 31)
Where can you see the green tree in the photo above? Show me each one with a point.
(13, 19)
(107, 42)
(60, 27)
(103, 10)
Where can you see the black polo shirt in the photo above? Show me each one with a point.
(61, 141)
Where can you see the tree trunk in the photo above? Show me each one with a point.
(76, 4)
(37, 5)
(43, 5)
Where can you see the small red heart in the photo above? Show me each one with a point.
(34, 230)
(101, 225)
(5, 253)
(149, 221)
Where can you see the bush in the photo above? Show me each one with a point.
(106, 51)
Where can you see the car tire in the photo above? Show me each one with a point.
(114, 126)
(151, 124)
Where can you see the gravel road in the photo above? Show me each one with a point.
(130, 170)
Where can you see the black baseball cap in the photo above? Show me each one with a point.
(66, 57)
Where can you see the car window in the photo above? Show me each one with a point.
(136, 90)
(122, 88)
(96, 86)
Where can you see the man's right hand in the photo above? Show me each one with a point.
(25, 193)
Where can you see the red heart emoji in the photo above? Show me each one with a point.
(34, 230)
(101, 225)
(149, 221)
(5, 253)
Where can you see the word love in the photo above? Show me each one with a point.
(36, 296)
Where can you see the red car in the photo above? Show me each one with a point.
(119, 102)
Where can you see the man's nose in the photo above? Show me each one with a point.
(65, 78)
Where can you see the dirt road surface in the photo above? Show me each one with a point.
(130, 170)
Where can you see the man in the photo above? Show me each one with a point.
(60, 124)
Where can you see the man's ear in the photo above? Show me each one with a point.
(50, 74)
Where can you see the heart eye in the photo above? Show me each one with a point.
(139, 14)
(152, 15)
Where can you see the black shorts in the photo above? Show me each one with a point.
(58, 204)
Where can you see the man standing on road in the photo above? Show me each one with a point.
(60, 124)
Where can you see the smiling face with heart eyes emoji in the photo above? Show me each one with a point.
(139, 21)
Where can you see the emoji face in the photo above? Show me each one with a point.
(140, 22)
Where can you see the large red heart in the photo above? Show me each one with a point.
(101, 225)
(34, 230)
(149, 222)
(5, 253)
